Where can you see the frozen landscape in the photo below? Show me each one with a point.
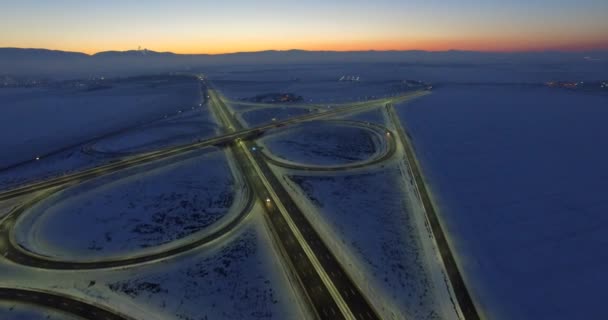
(240, 278)
(290, 191)
(130, 212)
(325, 144)
(70, 116)
(372, 228)
(519, 176)
(295, 160)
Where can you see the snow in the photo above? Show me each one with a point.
(368, 221)
(239, 278)
(38, 121)
(325, 90)
(519, 176)
(179, 128)
(155, 136)
(374, 116)
(129, 212)
(324, 143)
(52, 166)
(21, 311)
(265, 115)
(518, 173)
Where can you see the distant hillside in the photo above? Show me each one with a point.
(42, 62)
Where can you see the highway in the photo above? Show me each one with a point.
(60, 302)
(89, 141)
(221, 140)
(460, 290)
(378, 129)
(14, 252)
(331, 291)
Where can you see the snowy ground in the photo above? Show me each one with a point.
(518, 172)
(326, 90)
(238, 79)
(324, 143)
(20, 311)
(373, 116)
(156, 136)
(266, 115)
(176, 129)
(127, 212)
(519, 175)
(369, 221)
(38, 121)
(240, 278)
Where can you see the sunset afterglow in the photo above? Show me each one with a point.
(212, 27)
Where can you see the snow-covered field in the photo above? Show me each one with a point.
(373, 116)
(36, 121)
(266, 115)
(369, 222)
(178, 128)
(238, 79)
(241, 277)
(155, 136)
(519, 175)
(326, 90)
(127, 213)
(323, 143)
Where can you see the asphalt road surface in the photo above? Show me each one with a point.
(332, 293)
(15, 253)
(221, 140)
(460, 290)
(60, 302)
(380, 130)
(318, 291)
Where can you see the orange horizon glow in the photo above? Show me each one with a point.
(210, 27)
(430, 45)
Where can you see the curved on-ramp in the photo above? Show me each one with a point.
(18, 254)
(377, 129)
(61, 302)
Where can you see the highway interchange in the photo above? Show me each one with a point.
(329, 289)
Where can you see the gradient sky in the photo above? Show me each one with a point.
(219, 26)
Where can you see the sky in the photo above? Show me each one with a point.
(221, 26)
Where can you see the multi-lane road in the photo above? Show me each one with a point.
(329, 288)
(221, 140)
(330, 291)
(61, 302)
(14, 252)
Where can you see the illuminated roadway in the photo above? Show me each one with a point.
(332, 293)
(60, 302)
(14, 252)
(378, 129)
(176, 150)
(457, 282)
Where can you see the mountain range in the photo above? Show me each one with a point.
(19, 61)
